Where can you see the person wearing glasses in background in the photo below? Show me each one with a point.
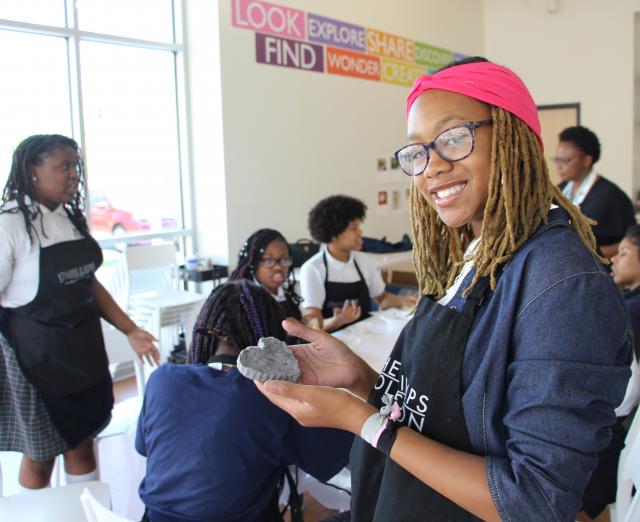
(501, 389)
(597, 197)
(264, 259)
(338, 283)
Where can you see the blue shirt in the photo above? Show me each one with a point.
(546, 363)
(216, 447)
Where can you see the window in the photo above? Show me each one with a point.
(26, 107)
(104, 72)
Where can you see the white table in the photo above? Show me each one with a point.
(392, 260)
(374, 337)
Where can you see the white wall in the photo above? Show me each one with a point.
(292, 137)
(581, 52)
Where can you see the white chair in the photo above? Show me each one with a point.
(338, 497)
(154, 298)
(627, 506)
(96, 511)
(61, 504)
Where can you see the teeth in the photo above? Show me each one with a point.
(450, 191)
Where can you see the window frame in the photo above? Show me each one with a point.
(72, 34)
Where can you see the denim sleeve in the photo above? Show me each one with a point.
(568, 371)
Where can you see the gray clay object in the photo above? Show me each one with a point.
(270, 360)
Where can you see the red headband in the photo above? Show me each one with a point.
(487, 82)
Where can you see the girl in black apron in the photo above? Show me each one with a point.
(336, 222)
(265, 260)
(54, 357)
(337, 296)
(474, 149)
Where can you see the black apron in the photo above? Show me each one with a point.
(424, 373)
(337, 293)
(58, 340)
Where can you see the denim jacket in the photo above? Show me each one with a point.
(546, 363)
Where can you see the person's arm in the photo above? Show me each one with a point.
(140, 340)
(329, 363)
(311, 313)
(460, 476)
(389, 300)
(377, 287)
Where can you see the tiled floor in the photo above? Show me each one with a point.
(121, 467)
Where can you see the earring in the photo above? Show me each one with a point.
(34, 178)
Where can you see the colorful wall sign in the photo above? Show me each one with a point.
(289, 37)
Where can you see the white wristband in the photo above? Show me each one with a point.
(372, 425)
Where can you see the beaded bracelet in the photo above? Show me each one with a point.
(380, 428)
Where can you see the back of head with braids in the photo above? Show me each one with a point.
(250, 255)
(20, 186)
(519, 198)
(238, 312)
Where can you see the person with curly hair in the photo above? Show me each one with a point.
(598, 198)
(501, 390)
(55, 388)
(338, 283)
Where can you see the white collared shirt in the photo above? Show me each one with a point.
(20, 256)
(278, 296)
(468, 265)
(313, 273)
(583, 190)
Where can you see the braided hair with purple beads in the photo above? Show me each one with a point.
(238, 312)
(249, 259)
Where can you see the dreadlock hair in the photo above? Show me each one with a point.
(520, 195)
(249, 259)
(238, 312)
(19, 186)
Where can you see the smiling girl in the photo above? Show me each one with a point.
(500, 391)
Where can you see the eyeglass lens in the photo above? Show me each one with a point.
(452, 145)
(282, 261)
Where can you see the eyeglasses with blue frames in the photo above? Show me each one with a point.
(453, 144)
(282, 261)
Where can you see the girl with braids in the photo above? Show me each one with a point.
(501, 390)
(240, 443)
(265, 260)
(55, 387)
